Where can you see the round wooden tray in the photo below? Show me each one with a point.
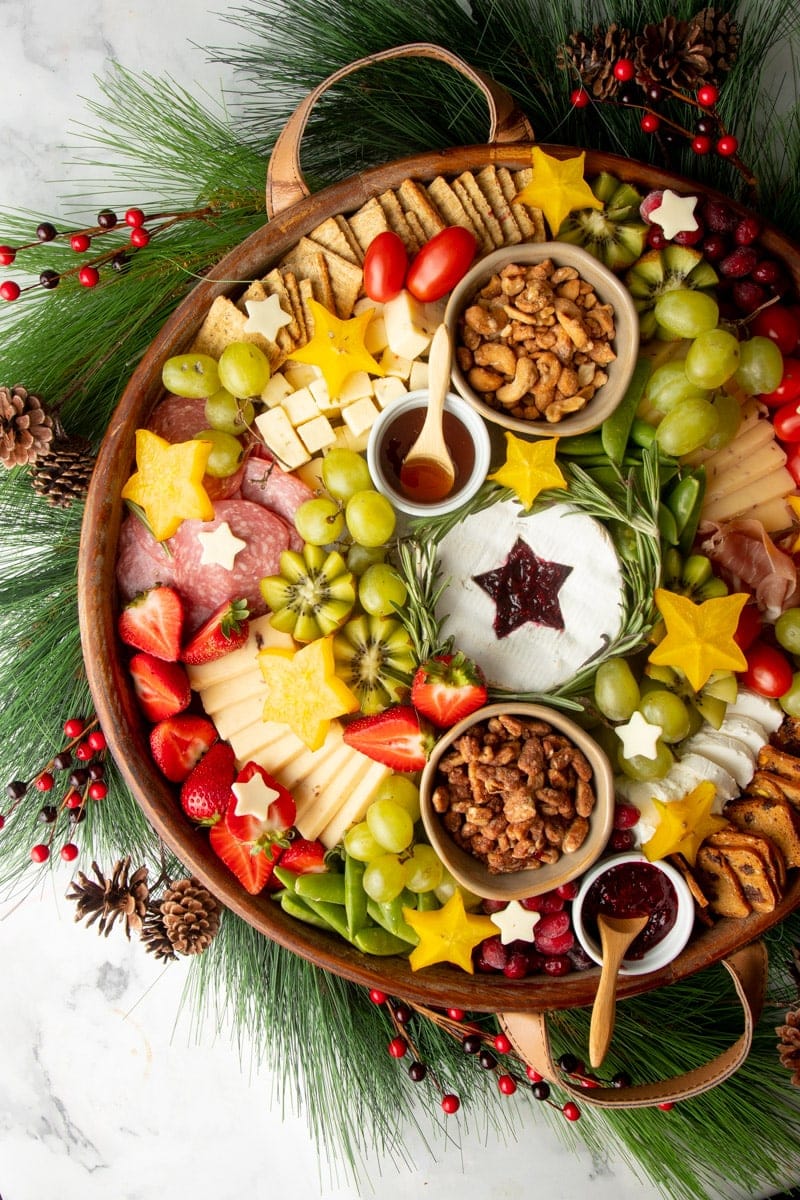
(112, 689)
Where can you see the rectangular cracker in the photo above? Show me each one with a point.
(396, 219)
(290, 281)
(481, 232)
(482, 207)
(274, 285)
(224, 323)
(449, 204)
(350, 238)
(367, 222)
(530, 220)
(416, 200)
(489, 184)
(415, 225)
(308, 261)
(330, 235)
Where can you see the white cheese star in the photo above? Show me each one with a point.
(515, 923)
(675, 214)
(265, 317)
(254, 797)
(639, 737)
(220, 547)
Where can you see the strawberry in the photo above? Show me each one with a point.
(178, 743)
(224, 631)
(280, 812)
(395, 737)
(153, 622)
(251, 865)
(206, 793)
(448, 688)
(162, 688)
(303, 857)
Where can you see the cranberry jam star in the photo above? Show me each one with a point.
(525, 588)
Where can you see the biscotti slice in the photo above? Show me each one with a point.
(720, 884)
(776, 819)
(752, 871)
(774, 862)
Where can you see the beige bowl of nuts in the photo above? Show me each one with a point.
(517, 799)
(545, 339)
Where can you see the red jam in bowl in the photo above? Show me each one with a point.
(633, 889)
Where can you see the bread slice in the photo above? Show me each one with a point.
(776, 819)
(717, 879)
(752, 864)
(780, 762)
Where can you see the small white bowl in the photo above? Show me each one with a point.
(663, 952)
(464, 489)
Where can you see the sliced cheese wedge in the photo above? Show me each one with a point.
(734, 504)
(729, 752)
(356, 806)
(768, 713)
(767, 458)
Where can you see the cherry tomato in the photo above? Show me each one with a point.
(780, 325)
(786, 420)
(749, 627)
(441, 262)
(385, 266)
(768, 671)
(793, 462)
(788, 388)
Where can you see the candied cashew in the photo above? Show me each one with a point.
(562, 408)
(482, 320)
(544, 390)
(525, 379)
(484, 380)
(498, 356)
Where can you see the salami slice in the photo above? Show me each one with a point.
(204, 586)
(267, 484)
(142, 562)
(179, 418)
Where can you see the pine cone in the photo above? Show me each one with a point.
(719, 31)
(593, 58)
(63, 476)
(26, 430)
(154, 935)
(675, 53)
(109, 900)
(190, 915)
(789, 1044)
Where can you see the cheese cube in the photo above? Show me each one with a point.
(317, 434)
(355, 387)
(360, 417)
(389, 389)
(300, 406)
(405, 321)
(395, 364)
(301, 374)
(375, 339)
(418, 379)
(276, 390)
(311, 475)
(347, 440)
(276, 430)
(363, 303)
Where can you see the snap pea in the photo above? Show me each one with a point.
(334, 914)
(328, 886)
(685, 501)
(427, 901)
(389, 915)
(355, 898)
(377, 940)
(580, 445)
(287, 878)
(667, 525)
(294, 907)
(618, 428)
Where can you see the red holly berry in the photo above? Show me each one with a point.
(456, 1014)
(534, 1075)
(580, 98)
(97, 740)
(69, 852)
(74, 727)
(501, 1044)
(398, 1047)
(650, 123)
(450, 1103)
(666, 1105)
(80, 242)
(139, 237)
(625, 816)
(98, 791)
(44, 782)
(9, 290)
(377, 996)
(624, 69)
(571, 1111)
(701, 144)
(507, 1084)
(40, 853)
(707, 95)
(134, 217)
(2, 820)
(7, 255)
(73, 799)
(727, 145)
(88, 277)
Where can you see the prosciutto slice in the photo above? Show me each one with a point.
(749, 561)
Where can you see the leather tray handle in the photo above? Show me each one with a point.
(285, 183)
(529, 1037)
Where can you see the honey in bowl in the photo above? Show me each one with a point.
(425, 481)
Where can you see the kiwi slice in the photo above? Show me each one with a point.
(615, 234)
(375, 657)
(312, 596)
(710, 703)
(660, 271)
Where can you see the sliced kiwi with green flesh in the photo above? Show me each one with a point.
(375, 657)
(616, 234)
(710, 703)
(660, 271)
(312, 596)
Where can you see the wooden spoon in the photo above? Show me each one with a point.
(616, 935)
(427, 472)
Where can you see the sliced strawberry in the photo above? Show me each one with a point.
(395, 737)
(178, 743)
(304, 857)
(153, 622)
(162, 688)
(448, 688)
(224, 631)
(255, 789)
(251, 865)
(206, 793)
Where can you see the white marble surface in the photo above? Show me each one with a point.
(105, 1092)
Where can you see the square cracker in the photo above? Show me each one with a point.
(225, 323)
(274, 285)
(331, 235)
(367, 222)
(350, 238)
(397, 220)
(337, 282)
(415, 200)
(308, 261)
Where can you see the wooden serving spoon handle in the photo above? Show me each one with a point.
(616, 935)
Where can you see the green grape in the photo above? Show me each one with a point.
(360, 844)
(225, 412)
(402, 791)
(729, 413)
(787, 630)
(712, 358)
(424, 869)
(370, 518)
(193, 375)
(384, 878)
(390, 825)
(668, 711)
(668, 386)
(616, 691)
(243, 369)
(226, 452)
(685, 313)
(319, 521)
(639, 767)
(687, 427)
(381, 590)
(446, 889)
(361, 557)
(344, 472)
(760, 366)
(790, 700)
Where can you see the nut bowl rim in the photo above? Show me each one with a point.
(626, 339)
(469, 872)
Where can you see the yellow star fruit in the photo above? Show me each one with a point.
(530, 468)
(447, 934)
(168, 483)
(304, 690)
(557, 188)
(337, 347)
(699, 637)
(683, 825)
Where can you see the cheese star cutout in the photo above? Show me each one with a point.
(337, 347)
(304, 691)
(699, 638)
(447, 934)
(675, 214)
(253, 797)
(530, 468)
(683, 825)
(639, 737)
(515, 923)
(168, 484)
(220, 547)
(557, 188)
(265, 317)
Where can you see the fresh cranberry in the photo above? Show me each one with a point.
(656, 239)
(766, 271)
(567, 891)
(620, 840)
(546, 903)
(625, 816)
(748, 296)
(579, 958)
(747, 231)
(494, 953)
(689, 237)
(490, 906)
(739, 263)
(552, 925)
(714, 247)
(516, 966)
(718, 217)
(560, 944)
(557, 965)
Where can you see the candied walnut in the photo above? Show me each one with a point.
(575, 835)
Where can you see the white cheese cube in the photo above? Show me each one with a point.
(360, 417)
(405, 321)
(276, 430)
(363, 303)
(355, 387)
(375, 339)
(317, 434)
(347, 440)
(388, 389)
(395, 364)
(300, 406)
(301, 374)
(418, 379)
(311, 474)
(276, 390)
